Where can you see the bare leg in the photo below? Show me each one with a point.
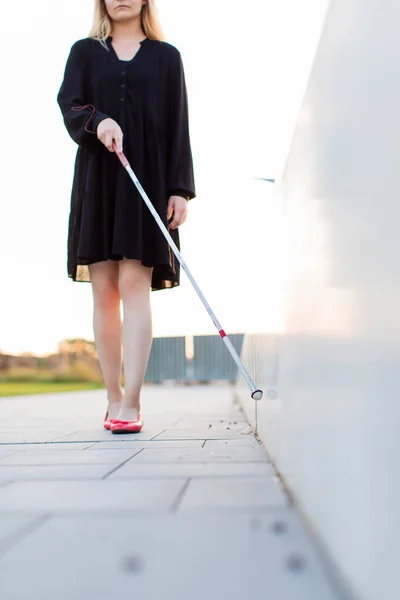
(134, 285)
(107, 329)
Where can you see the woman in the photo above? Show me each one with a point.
(124, 89)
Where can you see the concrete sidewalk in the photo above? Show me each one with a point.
(189, 509)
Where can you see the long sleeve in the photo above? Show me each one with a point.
(180, 163)
(81, 124)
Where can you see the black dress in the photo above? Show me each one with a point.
(147, 97)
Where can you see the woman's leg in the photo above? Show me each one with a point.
(134, 285)
(107, 329)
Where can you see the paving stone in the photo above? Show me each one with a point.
(110, 534)
(92, 496)
(6, 454)
(219, 419)
(206, 428)
(232, 493)
(100, 435)
(53, 472)
(155, 444)
(30, 426)
(52, 446)
(194, 434)
(10, 524)
(217, 424)
(32, 436)
(62, 457)
(218, 469)
(232, 454)
(245, 441)
(164, 557)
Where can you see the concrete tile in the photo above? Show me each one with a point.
(110, 545)
(53, 472)
(205, 429)
(164, 557)
(232, 493)
(103, 435)
(218, 424)
(6, 454)
(233, 454)
(195, 434)
(245, 441)
(10, 525)
(4, 482)
(31, 437)
(44, 446)
(155, 444)
(217, 469)
(30, 426)
(91, 496)
(204, 418)
(71, 457)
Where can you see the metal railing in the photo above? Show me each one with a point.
(200, 358)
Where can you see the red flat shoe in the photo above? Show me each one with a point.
(118, 426)
(107, 422)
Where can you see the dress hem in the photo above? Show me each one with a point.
(165, 282)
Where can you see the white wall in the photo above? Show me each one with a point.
(334, 427)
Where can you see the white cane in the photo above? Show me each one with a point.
(256, 394)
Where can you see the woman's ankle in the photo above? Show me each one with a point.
(114, 404)
(115, 397)
(128, 414)
(129, 408)
(131, 400)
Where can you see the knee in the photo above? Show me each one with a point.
(104, 278)
(106, 294)
(134, 286)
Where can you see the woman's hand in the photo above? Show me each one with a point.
(109, 132)
(178, 206)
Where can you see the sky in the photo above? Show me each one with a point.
(246, 67)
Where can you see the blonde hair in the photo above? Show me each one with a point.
(102, 24)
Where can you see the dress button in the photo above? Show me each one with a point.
(122, 99)
(122, 85)
(123, 73)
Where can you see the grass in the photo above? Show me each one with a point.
(24, 388)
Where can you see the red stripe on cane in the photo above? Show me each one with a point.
(222, 333)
